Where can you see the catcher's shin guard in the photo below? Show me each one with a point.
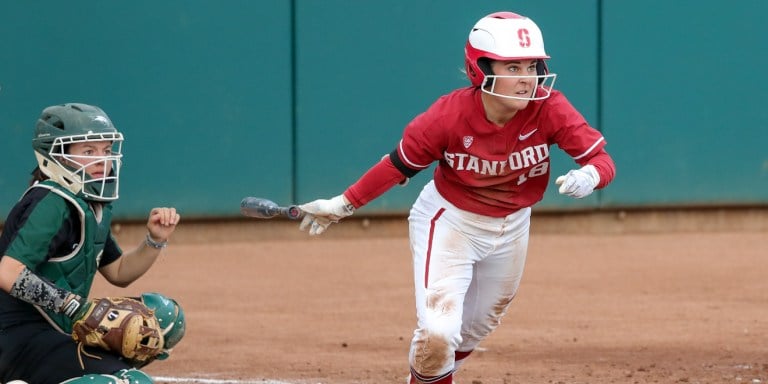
(125, 376)
(94, 379)
(170, 315)
(134, 376)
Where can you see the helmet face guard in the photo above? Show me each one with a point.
(506, 36)
(72, 168)
(542, 91)
(61, 126)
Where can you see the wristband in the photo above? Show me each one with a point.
(74, 308)
(155, 244)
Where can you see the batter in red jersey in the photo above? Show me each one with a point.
(469, 226)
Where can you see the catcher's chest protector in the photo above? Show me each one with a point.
(75, 272)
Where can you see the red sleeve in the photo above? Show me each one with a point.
(576, 137)
(379, 179)
(605, 167)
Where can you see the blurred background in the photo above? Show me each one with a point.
(294, 100)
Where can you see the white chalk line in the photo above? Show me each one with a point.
(163, 379)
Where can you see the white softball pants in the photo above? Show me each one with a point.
(466, 269)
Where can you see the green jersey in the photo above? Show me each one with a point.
(59, 237)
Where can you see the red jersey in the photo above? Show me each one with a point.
(484, 168)
(492, 170)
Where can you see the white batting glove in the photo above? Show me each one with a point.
(579, 183)
(321, 213)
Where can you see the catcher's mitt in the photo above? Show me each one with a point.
(122, 325)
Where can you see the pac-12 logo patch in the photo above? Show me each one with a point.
(467, 140)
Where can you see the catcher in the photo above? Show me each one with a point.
(54, 241)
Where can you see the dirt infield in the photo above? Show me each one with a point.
(267, 302)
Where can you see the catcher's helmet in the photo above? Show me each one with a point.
(506, 36)
(65, 124)
(171, 318)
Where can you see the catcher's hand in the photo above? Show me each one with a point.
(122, 325)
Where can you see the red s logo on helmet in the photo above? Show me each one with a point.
(525, 39)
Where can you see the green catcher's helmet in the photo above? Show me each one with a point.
(171, 318)
(65, 124)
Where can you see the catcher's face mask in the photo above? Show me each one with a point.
(62, 126)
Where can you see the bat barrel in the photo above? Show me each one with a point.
(259, 208)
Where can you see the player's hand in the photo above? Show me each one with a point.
(579, 183)
(321, 213)
(162, 222)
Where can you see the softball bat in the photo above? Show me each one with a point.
(262, 208)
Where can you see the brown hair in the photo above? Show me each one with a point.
(37, 176)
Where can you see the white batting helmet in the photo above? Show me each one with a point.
(506, 36)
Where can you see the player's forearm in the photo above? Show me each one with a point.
(377, 180)
(131, 265)
(605, 166)
(33, 289)
(10, 269)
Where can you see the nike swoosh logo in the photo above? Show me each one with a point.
(527, 135)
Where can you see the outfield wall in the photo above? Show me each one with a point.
(294, 100)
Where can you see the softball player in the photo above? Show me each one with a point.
(469, 226)
(54, 241)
